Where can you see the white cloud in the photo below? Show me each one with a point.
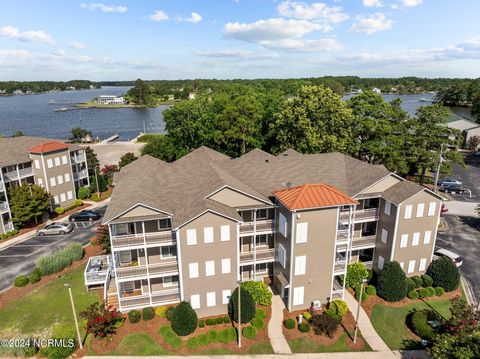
(297, 45)
(193, 18)
(77, 45)
(120, 9)
(319, 12)
(13, 33)
(158, 15)
(373, 23)
(372, 3)
(243, 54)
(19, 54)
(59, 53)
(411, 3)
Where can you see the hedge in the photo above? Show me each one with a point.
(258, 323)
(419, 323)
(418, 281)
(247, 306)
(227, 335)
(169, 313)
(423, 293)
(364, 294)
(184, 320)
(226, 319)
(201, 323)
(304, 327)
(392, 285)
(20, 281)
(371, 290)
(260, 313)
(340, 306)
(413, 294)
(249, 332)
(134, 316)
(427, 280)
(431, 291)
(259, 291)
(289, 323)
(59, 210)
(439, 291)
(410, 284)
(60, 259)
(34, 277)
(444, 273)
(160, 311)
(148, 313)
(84, 193)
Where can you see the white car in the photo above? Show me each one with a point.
(441, 252)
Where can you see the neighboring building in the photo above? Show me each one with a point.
(192, 95)
(376, 90)
(110, 100)
(58, 167)
(467, 127)
(189, 230)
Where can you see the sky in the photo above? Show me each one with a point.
(179, 39)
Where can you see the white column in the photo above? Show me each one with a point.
(179, 261)
(18, 174)
(146, 261)
(115, 265)
(254, 244)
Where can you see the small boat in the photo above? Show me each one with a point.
(423, 99)
(61, 109)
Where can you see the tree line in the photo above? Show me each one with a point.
(463, 94)
(9, 87)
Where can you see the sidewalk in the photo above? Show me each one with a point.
(275, 327)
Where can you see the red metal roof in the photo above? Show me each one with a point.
(48, 147)
(312, 196)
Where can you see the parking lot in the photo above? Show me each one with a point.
(20, 258)
(470, 177)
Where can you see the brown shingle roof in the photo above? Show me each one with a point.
(402, 191)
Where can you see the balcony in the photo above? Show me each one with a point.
(363, 242)
(97, 270)
(132, 240)
(342, 235)
(13, 175)
(361, 215)
(262, 226)
(166, 296)
(79, 159)
(136, 301)
(131, 272)
(3, 207)
(340, 265)
(157, 270)
(80, 175)
(9, 227)
(262, 256)
(163, 269)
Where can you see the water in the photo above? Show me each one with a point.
(32, 114)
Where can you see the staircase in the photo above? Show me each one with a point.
(112, 299)
(111, 295)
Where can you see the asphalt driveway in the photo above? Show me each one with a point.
(470, 177)
(20, 258)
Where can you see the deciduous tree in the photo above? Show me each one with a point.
(126, 159)
(27, 203)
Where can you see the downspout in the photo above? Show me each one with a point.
(255, 244)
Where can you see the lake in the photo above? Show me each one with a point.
(33, 115)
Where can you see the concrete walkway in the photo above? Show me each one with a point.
(366, 327)
(275, 327)
(460, 208)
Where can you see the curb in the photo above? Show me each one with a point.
(468, 291)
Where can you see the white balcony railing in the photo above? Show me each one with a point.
(131, 240)
(361, 215)
(3, 207)
(262, 255)
(267, 225)
(80, 175)
(13, 175)
(158, 269)
(78, 158)
(2, 187)
(98, 270)
(9, 227)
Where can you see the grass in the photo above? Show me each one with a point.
(303, 345)
(389, 322)
(259, 348)
(38, 312)
(148, 137)
(139, 344)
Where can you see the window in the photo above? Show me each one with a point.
(408, 212)
(168, 252)
(261, 268)
(69, 195)
(53, 183)
(63, 198)
(67, 177)
(402, 264)
(298, 294)
(191, 237)
(208, 234)
(411, 266)
(40, 182)
(37, 164)
(193, 270)
(420, 209)
(60, 179)
(282, 224)
(404, 241)
(300, 265)
(281, 255)
(262, 213)
(431, 209)
(427, 237)
(261, 240)
(384, 235)
(226, 296)
(169, 281)
(195, 301)
(423, 264)
(164, 223)
(209, 268)
(49, 163)
(64, 160)
(211, 300)
(302, 230)
(125, 256)
(55, 200)
(57, 161)
(122, 229)
(225, 233)
(225, 266)
(381, 261)
(387, 208)
(416, 239)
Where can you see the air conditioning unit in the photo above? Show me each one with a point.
(317, 304)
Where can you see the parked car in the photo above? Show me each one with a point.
(448, 181)
(86, 215)
(453, 188)
(55, 228)
(441, 252)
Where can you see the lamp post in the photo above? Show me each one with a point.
(96, 180)
(66, 285)
(358, 310)
(239, 316)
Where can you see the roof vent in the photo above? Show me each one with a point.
(289, 184)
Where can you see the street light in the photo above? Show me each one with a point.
(358, 310)
(66, 285)
(239, 317)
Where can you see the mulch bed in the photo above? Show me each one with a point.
(347, 326)
(151, 328)
(14, 293)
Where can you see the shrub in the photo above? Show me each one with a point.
(418, 281)
(289, 323)
(60, 259)
(258, 323)
(84, 193)
(259, 291)
(371, 290)
(370, 274)
(304, 327)
(419, 324)
(160, 311)
(78, 203)
(431, 291)
(413, 294)
(102, 321)
(165, 330)
(356, 272)
(192, 343)
(323, 324)
(212, 336)
(210, 321)
(8, 234)
(357, 294)
(439, 291)
(247, 306)
(20, 281)
(184, 320)
(444, 274)
(260, 313)
(201, 323)
(169, 313)
(219, 320)
(59, 210)
(410, 284)
(341, 307)
(423, 292)
(227, 335)
(226, 319)
(34, 277)
(203, 339)
(94, 197)
(306, 315)
(392, 285)
(331, 311)
(148, 313)
(427, 280)
(249, 332)
(170, 337)
(134, 316)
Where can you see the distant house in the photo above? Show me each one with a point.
(191, 95)
(467, 127)
(376, 90)
(109, 100)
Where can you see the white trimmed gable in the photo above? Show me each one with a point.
(233, 198)
(382, 185)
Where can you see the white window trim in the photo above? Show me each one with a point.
(167, 283)
(302, 232)
(53, 182)
(57, 161)
(381, 262)
(298, 295)
(49, 163)
(195, 301)
(211, 299)
(300, 265)
(226, 293)
(282, 224)
(209, 268)
(281, 249)
(64, 160)
(411, 266)
(408, 212)
(427, 237)
(423, 264)
(60, 179)
(387, 208)
(191, 237)
(70, 195)
(225, 233)
(416, 239)
(404, 241)
(420, 210)
(208, 235)
(67, 177)
(432, 207)
(193, 270)
(384, 237)
(226, 266)
(37, 164)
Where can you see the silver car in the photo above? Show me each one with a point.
(55, 228)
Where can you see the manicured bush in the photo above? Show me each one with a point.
(184, 320)
(323, 324)
(431, 291)
(219, 320)
(34, 277)
(160, 311)
(391, 282)
(289, 323)
(210, 321)
(371, 290)
(418, 281)
(249, 332)
(439, 291)
(169, 313)
(258, 323)
(212, 336)
(260, 313)
(201, 323)
(83, 193)
(203, 339)
(148, 313)
(423, 292)
(226, 319)
(427, 281)
(304, 327)
(59, 210)
(370, 274)
(331, 311)
(9, 234)
(364, 294)
(227, 335)
(94, 197)
(247, 306)
(20, 281)
(444, 273)
(306, 315)
(78, 203)
(419, 323)
(413, 294)
(340, 306)
(356, 272)
(410, 284)
(170, 337)
(193, 343)
(134, 316)
(259, 291)
(60, 259)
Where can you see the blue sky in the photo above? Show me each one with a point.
(172, 39)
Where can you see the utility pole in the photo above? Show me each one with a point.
(239, 317)
(440, 160)
(96, 180)
(66, 285)
(358, 310)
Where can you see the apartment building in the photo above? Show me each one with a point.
(191, 229)
(58, 167)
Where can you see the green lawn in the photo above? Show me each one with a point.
(38, 312)
(139, 344)
(303, 345)
(389, 322)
